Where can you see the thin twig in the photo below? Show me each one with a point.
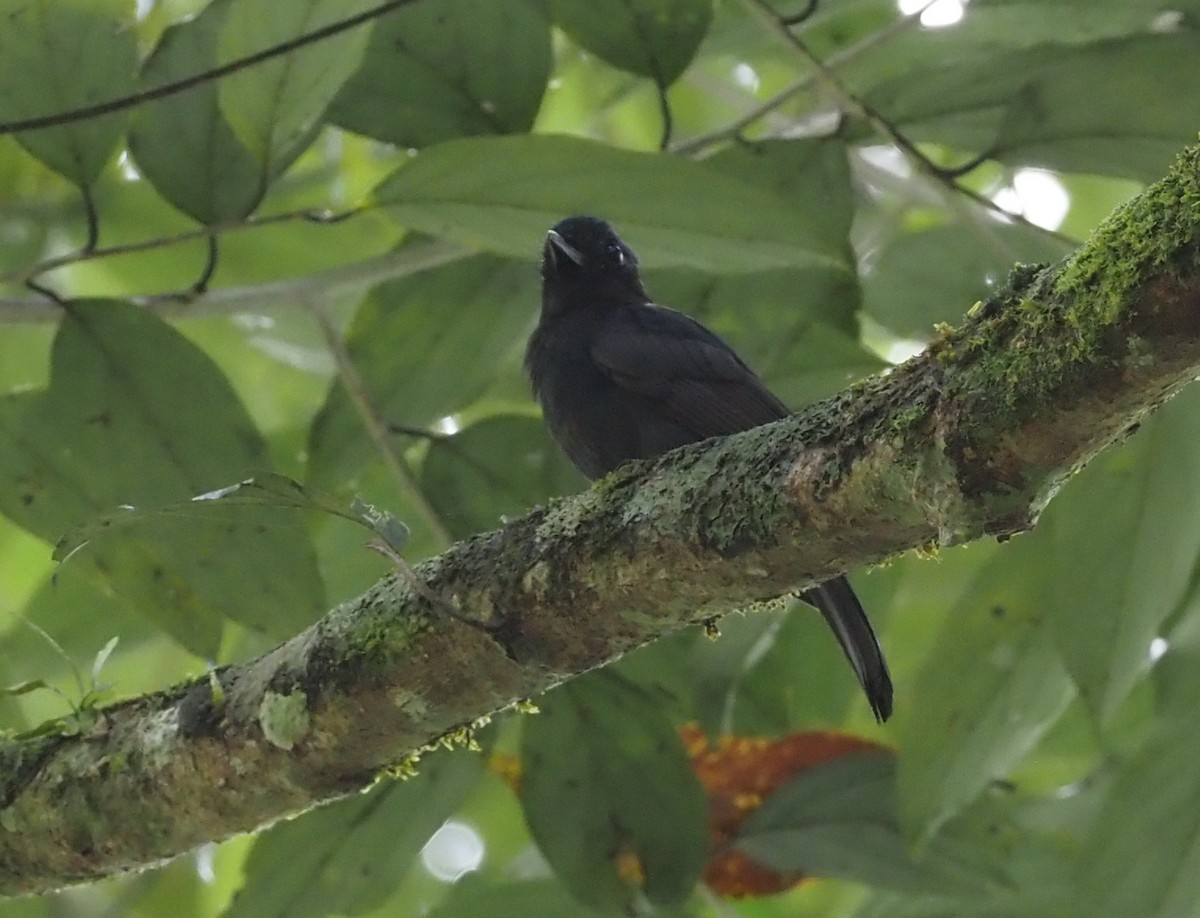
(143, 245)
(850, 102)
(408, 259)
(736, 126)
(377, 428)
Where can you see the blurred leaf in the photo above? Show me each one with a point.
(473, 896)
(609, 795)
(1105, 110)
(347, 857)
(1141, 856)
(838, 819)
(501, 194)
(1097, 107)
(935, 274)
(811, 175)
(24, 688)
(1137, 508)
(135, 414)
(57, 55)
(424, 346)
(275, 106)
(501, 466)
(183, 144)
(652, 38)
(434, 71)
(992, 686)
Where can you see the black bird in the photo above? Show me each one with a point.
(621, 378)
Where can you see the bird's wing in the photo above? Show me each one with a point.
(693, 377)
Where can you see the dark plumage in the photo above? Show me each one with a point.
(621, 378)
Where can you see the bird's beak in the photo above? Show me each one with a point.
(557, 244)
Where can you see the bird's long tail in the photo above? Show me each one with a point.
(836, 601)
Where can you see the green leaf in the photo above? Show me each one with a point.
(58, 55)
(347, 858)
(275, 106)
(498, 467)
(1138, 509)
(652, 38)
(1104, 110)
(606, 779)
(182, 144)
(473, 896)
(434, 71)
(838, 819)
(24, 688)
(1140, 857)
(1096, 107)
(935, 274)
(135, 414)
(993, 684)
(501, 194)
(424, 347)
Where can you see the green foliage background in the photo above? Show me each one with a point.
(1045, 758)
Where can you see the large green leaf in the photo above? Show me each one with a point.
(498, 467)
(183, 144)
(57, 55)
(990, 688)
(137, 415)
(1098, 107)
(424, 346)
(501, 194)
(1142, 854)
(473, 896)
(935, 274)
(275, 106)
(1130, 523)
(839, 819)
(347, 857)
(606, 781)
(652, 38)
(444, 69)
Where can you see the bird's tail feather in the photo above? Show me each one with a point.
(836, 601)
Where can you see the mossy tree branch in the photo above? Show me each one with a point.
(969, 439)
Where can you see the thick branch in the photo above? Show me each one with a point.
(971, 438)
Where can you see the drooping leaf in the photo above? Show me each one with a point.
(652, 38)
(1095, 107)
(424, 346)
(59, 55)
(501, 194)
(838, 819)
(934, 275)
(1141, 854)
(609, 795)
(135, 414)
(347, 857)
(183, 144)
(503, 465)
(434, 71)
(1138, 509)
(473, 896)
(992, 685)
(275, 106)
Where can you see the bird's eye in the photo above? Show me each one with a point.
(618, 254)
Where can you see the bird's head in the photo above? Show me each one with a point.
(584, 260)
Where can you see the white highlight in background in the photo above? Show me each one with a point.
(936, 15)
(456, 848)
(1037, 196)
